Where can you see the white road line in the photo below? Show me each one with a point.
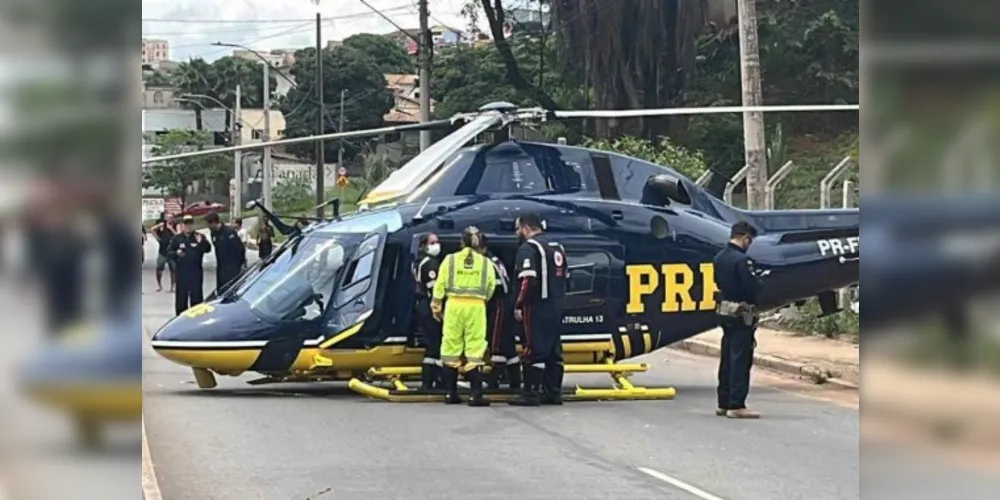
(677, 483)
(150, 488)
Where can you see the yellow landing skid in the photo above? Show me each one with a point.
(399, 392)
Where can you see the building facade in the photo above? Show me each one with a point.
(155, 51)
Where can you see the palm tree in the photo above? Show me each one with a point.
(195, 77)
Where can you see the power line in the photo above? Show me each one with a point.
(268, 21)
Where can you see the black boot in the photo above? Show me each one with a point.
(475, 378)
(437, 377)
(529, 393)
(514, 375)
(450, 378)
(552, 385)
(493, 380)
(427, 376)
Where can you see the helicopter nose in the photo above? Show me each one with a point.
(211, 336)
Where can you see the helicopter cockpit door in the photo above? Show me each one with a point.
(353, 303)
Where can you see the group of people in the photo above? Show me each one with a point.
(468, 308)
(182, 250)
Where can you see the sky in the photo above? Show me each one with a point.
(270, 24)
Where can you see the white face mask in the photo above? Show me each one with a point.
(434, 249)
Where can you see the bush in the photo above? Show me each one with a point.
(843, 324)
(666, 153)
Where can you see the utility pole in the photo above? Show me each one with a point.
(237, 159)
(753, 122)
(340, 152)
(425, 74)
(268, 202)
(320, 157)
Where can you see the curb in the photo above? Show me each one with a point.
(801, 370)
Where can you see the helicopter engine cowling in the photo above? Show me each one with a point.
(662, 189)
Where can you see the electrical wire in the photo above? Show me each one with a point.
(267, 21)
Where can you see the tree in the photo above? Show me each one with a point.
(387, 54)
(156, 79)
(664, 153)
(344, 68)
(176, 177)
(195, 77)
(231, 71)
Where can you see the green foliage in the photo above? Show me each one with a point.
(689, 163)
(218, 81)
(843, 324)
(176, 177)
(367, 98)
(388, 55)
(466, 78)
(293, 195)
(156, 79)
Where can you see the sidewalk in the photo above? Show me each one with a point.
(820, 359)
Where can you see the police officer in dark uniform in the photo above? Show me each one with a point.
(542, 270)
(500, 327)
(188, 249)
(230, 253)
(736, 303)
(425, 274)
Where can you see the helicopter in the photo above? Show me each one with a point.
(334, 302)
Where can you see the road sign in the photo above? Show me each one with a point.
(342, 181)
(342, 172)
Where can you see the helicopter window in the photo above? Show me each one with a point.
(508, 172)
(299, 282)
(359, 271)
(583, 268)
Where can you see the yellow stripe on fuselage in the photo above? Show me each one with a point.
(103, 400)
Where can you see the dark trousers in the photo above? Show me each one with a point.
(500, 329)
(431, 330)
(543, 355)
(736, 359)
(224, 275)
(188, 291)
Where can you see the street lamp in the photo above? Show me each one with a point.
(266, 90)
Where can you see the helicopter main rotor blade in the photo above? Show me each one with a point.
(297, 140)
(635, 113)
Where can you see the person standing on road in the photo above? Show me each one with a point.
(425, 275)
(230, 254)
(164, 231)
(467, 281)
(542, 270)
(736, 303)
(500, 327)
(265, 245)
(188, 249)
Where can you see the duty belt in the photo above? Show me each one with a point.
(740, 310)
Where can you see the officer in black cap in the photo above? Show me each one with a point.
(230, 254)
(188, 249)
(736, 303)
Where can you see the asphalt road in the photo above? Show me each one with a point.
(314, 441)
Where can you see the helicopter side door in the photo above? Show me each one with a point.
(590, 307)
(352, 308)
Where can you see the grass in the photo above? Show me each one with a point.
(845, 325)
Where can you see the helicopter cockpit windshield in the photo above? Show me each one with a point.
(300, 281)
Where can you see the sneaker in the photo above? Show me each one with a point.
(721, 412)
(742, 413)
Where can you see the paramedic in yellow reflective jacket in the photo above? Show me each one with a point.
(466, 279)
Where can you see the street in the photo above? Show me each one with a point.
(321, 441)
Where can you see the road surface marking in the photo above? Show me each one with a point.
(677, 483)
(150, 488)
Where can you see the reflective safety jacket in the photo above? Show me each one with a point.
(465, 274)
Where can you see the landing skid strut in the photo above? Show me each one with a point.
(398, 392)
